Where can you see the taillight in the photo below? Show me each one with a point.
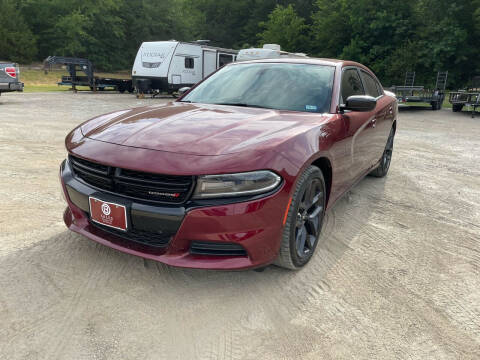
(11, 71)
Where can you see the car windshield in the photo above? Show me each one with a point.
(282, 86)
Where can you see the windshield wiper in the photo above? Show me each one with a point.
(244, 105)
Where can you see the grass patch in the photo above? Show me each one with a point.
(37, 81)
(50, 88)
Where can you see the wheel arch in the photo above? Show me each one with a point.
(324, 164)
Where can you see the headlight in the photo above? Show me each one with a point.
(240, 184)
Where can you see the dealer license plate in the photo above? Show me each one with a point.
(108, 214)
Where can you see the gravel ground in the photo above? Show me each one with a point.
(396, 275)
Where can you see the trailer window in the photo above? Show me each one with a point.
(370, 85)
(224, 59)
(189, 63)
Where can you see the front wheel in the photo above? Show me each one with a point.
(382, 169)
(304, 220)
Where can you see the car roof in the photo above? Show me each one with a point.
(307, 60)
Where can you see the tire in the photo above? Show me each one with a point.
(457, 107)
(304, 221)
(382, 169)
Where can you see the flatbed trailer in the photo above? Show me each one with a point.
(89, 79)
(410, 93)
(469, 97)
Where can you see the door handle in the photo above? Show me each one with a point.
(374, 122)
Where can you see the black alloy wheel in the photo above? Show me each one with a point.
(384, 165)
(304, 220)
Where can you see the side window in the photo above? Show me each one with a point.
(224, 59)
(371, 85)
(351, 84)
(379, 87)
(189, 63)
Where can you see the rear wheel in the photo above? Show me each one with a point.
(382, 168)
(457, 107)
(304, 220)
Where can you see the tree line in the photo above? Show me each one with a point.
(389, 36)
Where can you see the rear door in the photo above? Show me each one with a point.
(359, 126)
(209, 62)
(381, 121)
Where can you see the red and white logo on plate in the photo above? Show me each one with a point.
(106, 209)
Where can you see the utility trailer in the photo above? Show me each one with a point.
(89, 79)
(410, 93)
(469, 97)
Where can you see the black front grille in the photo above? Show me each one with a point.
(135, 184)
(138, 236)
(216, 249)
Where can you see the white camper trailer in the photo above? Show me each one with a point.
(166, 66)
(269, 51)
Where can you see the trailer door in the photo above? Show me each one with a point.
(209, 62)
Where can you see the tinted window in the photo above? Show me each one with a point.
(224, 59)
(189, 63)
(299, 87)
(371, 87)
(351, 84)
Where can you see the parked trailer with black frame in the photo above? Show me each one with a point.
(469, 97)
(410, 93)
(93, 82)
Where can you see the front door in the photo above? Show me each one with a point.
(359, 126)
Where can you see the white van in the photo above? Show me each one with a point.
(166, 66)
(269, 51)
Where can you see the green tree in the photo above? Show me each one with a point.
(286, 28)
(17, 42)
(331, 29)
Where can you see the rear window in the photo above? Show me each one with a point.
(371, 86)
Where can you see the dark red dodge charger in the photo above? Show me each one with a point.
(238, 172)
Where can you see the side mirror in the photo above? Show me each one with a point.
(363, 103)
(183, 90)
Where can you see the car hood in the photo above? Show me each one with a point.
(199, 129)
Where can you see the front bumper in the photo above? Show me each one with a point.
(254, 226)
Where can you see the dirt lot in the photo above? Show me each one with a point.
(395, 276)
